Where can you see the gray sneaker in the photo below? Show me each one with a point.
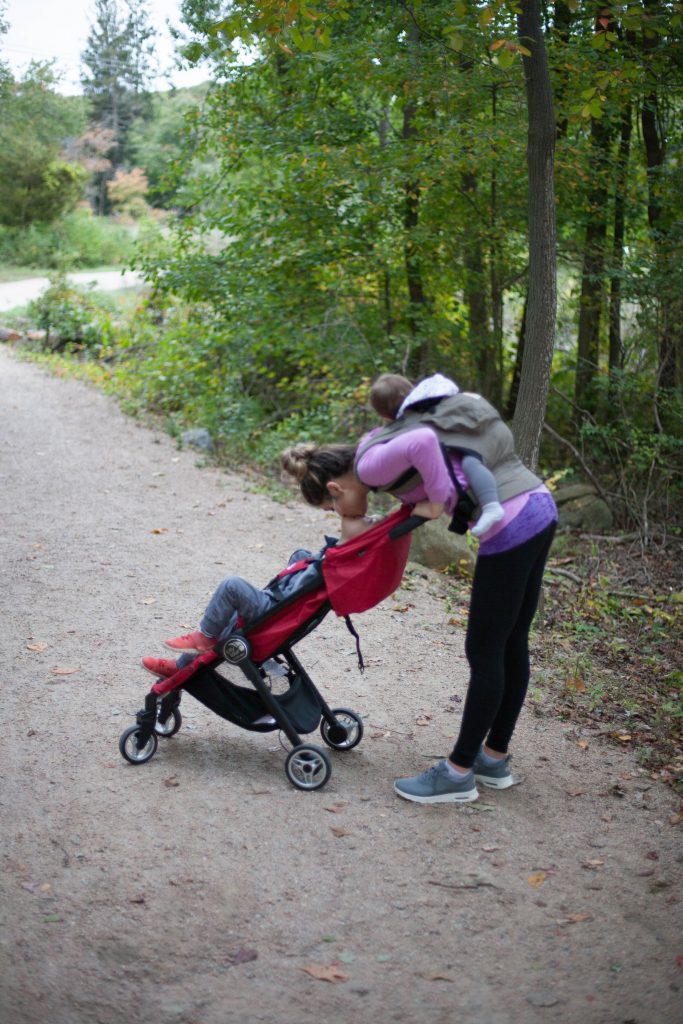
(437, 786)
(495, 776)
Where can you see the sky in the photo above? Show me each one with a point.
(44, 29)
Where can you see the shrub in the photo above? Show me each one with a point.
(72, 319)
(78, 239)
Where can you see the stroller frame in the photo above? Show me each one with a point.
(307, 766)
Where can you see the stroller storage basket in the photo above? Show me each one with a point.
(243, 706)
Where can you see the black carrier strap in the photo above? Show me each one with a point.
(464, 506)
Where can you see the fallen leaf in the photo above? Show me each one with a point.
(537, 878)
(36, 647)
(171, 781)
(339, 832)
(576, 792)
(679, 961)
(401, 607)
(623, 737)
(576, 684)
(160, 529)
(583, 744)
(140, 898)
(64, 671)
(149, 600)
(338, 807)
(435, 976)
(423, 720)
(574, 918)
(593, 865)
(325, 972)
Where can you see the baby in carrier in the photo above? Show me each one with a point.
(392, 394)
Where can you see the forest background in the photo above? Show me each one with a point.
(492, 189)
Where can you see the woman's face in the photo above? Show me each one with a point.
(348, 496)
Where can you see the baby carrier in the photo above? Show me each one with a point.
(464, 423)
(350, 578)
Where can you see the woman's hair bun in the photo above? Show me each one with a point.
(295, 460)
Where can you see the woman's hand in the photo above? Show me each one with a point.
(429, 509)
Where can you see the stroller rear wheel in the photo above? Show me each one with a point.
(308, 767)
(346, 733)
(130, 749)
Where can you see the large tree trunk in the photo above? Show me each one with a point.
(534, 382)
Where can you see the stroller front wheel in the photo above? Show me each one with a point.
(346, 733)
(308, 767)
(170, 726)
(130, 749)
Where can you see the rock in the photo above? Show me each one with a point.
(36, 335)
(580, 508)
(198, 438)
(9, 334)
(434, 546)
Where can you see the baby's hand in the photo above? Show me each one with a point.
(429, 509)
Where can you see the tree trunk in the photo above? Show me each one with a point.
(616, 348)
(516, 373)
(418, 359)
(542, 296)
(495, 395)
(670, 335)
(476, 300)
(592, 288)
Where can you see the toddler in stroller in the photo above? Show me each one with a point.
(346, 578)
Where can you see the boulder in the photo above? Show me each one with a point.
(199, 438)
(434, 546)
(581, 508)
(9, 334)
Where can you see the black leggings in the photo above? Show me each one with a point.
(504, 599)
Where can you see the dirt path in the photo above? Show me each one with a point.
(197, 889)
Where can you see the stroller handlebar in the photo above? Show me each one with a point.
(409, 524)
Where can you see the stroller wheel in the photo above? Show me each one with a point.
(170, 726)
(308, 767)
(346, 733)
(128, 746)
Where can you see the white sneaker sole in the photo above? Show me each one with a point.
(443, 798)
(503, 783)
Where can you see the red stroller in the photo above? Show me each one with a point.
(353, 577)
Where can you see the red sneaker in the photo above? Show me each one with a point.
(191, 642)
(160, 666)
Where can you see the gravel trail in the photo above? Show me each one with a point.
(201, 888)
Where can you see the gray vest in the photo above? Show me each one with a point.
(471, 425)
